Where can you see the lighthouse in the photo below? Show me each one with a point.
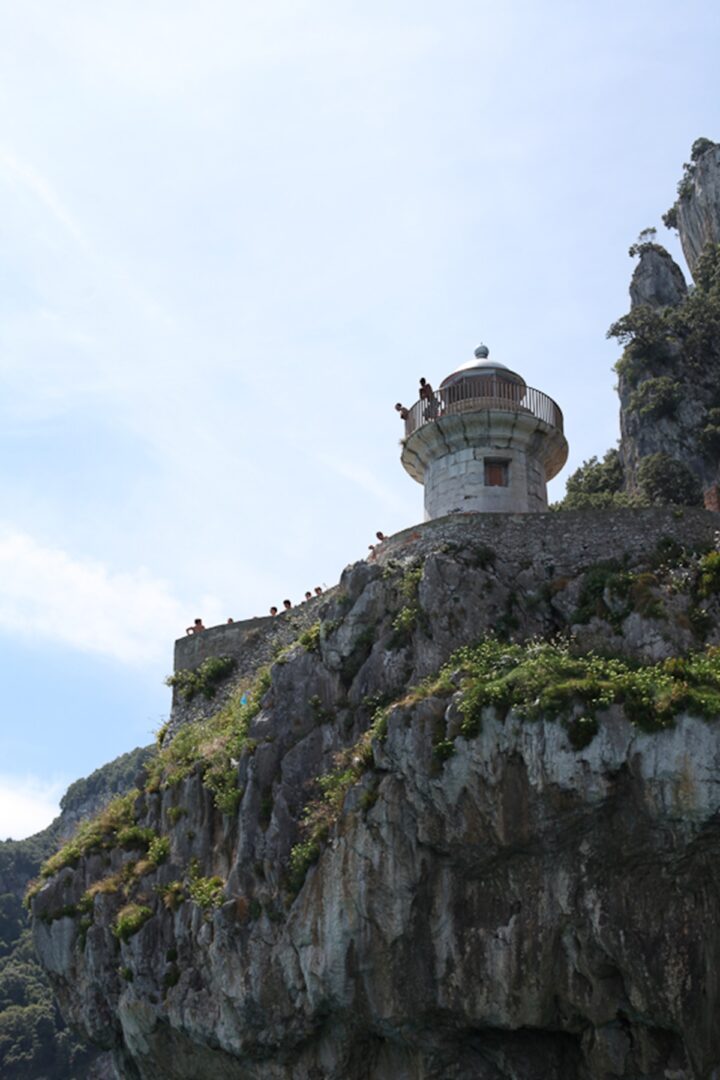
(484, 442)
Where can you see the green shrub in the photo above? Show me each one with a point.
(443, 749)
(656, 397)
(206, 892)
(159, 849)
(595, 485)
(403, 625)
(544, 679)
(603, 582)
(101, 833)
(172, 894)
(709, 583)
(410, 582)
(710, 433)
(665, 481)
(310, 638)
(135, 836)
(161, 733)
(204, 679)
(130, 919)
(302, 857)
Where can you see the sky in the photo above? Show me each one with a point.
(232, 236)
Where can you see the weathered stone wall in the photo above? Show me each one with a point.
(565, 541)
(251, 643)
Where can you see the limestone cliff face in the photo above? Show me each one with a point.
(657, 280)
(657, 283)
(669, 375)
(667, 391)
(697, 208)
(503, 899)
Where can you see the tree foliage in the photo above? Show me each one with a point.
(664, 481)
(595, 485)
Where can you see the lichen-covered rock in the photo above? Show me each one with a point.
(498, 895)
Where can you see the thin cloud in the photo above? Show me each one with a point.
(45, 594)
(27, 805)
(22, 174)
(363, 478)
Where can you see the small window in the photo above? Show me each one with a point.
(496, 473)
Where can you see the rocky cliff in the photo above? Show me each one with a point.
(35, 1043)
(696, 211)
(466, 825)
(669, 374)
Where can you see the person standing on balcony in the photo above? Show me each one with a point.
(426, 394)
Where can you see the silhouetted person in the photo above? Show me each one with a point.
(402, 410)
(231, 620)
(287, 605)
(196, 628)
(381, 536)
(426, 394)
(308, 596)
(318, 590)
(273, 610)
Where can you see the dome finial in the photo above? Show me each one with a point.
(482, 352)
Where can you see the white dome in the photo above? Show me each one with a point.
(482, 365)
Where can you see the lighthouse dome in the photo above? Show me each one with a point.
(481, 364)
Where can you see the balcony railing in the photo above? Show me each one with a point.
(479, 393)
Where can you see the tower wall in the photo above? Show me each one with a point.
(485, 461)
(457, 483)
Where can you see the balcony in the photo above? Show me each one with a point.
(478, 393)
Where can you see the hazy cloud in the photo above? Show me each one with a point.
(27, 805)
(47, 594)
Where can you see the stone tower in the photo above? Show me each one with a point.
(484, 442)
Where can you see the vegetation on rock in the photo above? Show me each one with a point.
(665, 481)
(685, 184)
(204, 679)
(595, 485)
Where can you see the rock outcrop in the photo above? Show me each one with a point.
(665, 397)
(697, 209)
(35, 1043)
(499, 891)
(657, 280)
(669, 375)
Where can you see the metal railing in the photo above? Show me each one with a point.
(479, 393)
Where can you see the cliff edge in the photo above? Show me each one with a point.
(465, 825)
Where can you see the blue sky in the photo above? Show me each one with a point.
(233, 235)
